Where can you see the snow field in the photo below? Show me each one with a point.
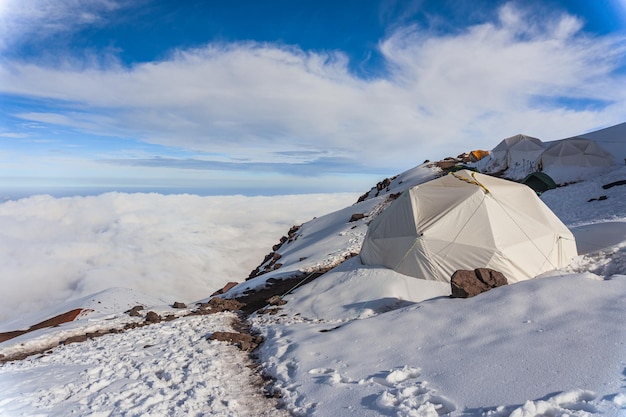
(503, 353)
(163, 369)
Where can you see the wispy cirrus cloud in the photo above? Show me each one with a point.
(38, 20)
(516, 73)
(310, 167)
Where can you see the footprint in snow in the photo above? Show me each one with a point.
(406, 396)
(329, 376)
(568, 403)
(395, 376)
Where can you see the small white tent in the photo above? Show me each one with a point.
(576, 152)
(467, 220)
(518, 154)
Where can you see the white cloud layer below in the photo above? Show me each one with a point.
(177, 247)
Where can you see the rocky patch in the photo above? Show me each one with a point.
(51, 322)
(243, 341)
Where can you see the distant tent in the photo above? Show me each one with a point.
(611, 139)
(519, 154)
(576, 152)
(467, 220)
(539, 181)
(477, 155)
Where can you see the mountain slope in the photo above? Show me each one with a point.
(361, 340)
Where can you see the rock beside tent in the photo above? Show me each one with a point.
(467, 284)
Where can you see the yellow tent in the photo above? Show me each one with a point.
(477, 155)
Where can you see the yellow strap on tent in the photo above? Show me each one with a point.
(475, 182)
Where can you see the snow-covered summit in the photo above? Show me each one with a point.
(360, 340)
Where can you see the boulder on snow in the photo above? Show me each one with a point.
(178, 304)
(152, 317)
(225, 288)
(135, 311)
(276, 300)
(467, 284)
(217, 305)
(356, 217)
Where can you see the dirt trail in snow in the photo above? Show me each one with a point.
(169, 368)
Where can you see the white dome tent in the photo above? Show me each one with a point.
(517, 155)
(576, 152)
(467, 220)
(573, 158)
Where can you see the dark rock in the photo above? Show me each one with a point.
(179, 305)
(152, 317)
(217, 305)
(135, 311)
(294, 229)
(271, 311)
(75, 339)
(55, 321)
(383, 184)
(613, 184)
(225, 288)
(363, 197)
(467, 284)
(276, 300)
(491, 277)
(447, 163)
(601, 198)
(277, 246)
(357, 216)
(97, 333)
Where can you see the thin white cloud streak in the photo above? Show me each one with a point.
(178, 247)
(42, 19)
(443, 92)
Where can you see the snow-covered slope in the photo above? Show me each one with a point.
(362, 340)
(359, 340)
(95, 306)
(612, 139)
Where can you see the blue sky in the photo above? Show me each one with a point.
(291, 96)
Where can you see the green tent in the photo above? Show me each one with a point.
(459, 167)
(539, 182)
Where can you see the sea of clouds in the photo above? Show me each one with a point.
(176, 247)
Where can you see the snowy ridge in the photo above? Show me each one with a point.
(357, 340)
